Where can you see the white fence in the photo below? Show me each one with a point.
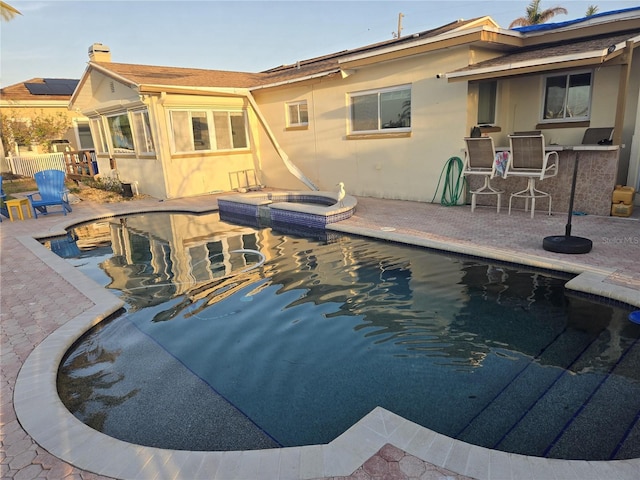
(28, 165)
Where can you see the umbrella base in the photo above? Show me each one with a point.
(567, 244)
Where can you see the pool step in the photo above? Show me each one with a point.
(617, 426)
(490, 426)
(495, 428)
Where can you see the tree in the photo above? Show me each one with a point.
(535, 16)
(38, 130)
(591, 10)
(7, 12)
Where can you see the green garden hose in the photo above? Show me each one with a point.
(454, 183)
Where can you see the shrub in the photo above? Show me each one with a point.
(110, 184)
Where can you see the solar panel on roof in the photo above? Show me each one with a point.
(53, 86)
(38, 88)
(61, 85)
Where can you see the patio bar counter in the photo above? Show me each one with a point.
(597, 174)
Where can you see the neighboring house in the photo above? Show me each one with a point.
(384, 119)
(49, 97)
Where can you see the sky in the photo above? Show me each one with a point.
(51, 38)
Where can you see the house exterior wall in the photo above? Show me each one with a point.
(388, 164)
(110, 97)
(165, 174)
(108, 93)
(630, 154)
(267, 160)
(199, 173)
(400, 167)
(520, 106)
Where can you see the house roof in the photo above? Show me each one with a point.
(331, 63)
(548, 57)
(39, 89)
(139, 75)
(559, 50)
(176, 76)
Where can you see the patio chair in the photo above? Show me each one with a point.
(529, 159)
(528, 132)
(480, 159)
(52, 192)
(597, 136)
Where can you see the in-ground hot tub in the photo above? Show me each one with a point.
(309, 210)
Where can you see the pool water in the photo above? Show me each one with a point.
(236, 338)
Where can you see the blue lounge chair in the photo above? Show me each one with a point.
(52, 192)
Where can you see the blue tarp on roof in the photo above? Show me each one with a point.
(551, 26)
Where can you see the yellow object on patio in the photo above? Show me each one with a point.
(18, 203)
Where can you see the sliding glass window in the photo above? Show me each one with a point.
(208, 130)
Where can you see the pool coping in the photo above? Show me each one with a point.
(286, 208)
(43, 415)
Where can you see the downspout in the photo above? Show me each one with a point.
(294, 170)
(633, 177)
(623, 85)
(158, 135)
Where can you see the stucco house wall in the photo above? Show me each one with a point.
(629, 171)
(110, 97)
(442, 68)
(166, 174)
(195, 173)
(297, 144)
(520, 106)
(375, 165)
(520, 101)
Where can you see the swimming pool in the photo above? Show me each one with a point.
(295, 351)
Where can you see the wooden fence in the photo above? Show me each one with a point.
(81, 164)
(28, 165)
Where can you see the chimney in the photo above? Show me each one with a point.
(99, 53)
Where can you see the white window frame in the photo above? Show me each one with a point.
(76, 124)
(142, 140)
(213, 136)
(297, 121)
(99, 135)
(378, 92)
(131, 151)
(565, 118)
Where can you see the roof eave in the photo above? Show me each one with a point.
(586, 59)
(109, 73)
(146, 89)
(105, 71)
(34, 103)
(481, 34)
(325, 73)
(79, 87)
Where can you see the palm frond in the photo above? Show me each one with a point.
(7, 12)
(535, 16)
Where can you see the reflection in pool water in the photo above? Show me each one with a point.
(220, 351)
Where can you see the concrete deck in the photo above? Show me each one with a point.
(45, 304)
